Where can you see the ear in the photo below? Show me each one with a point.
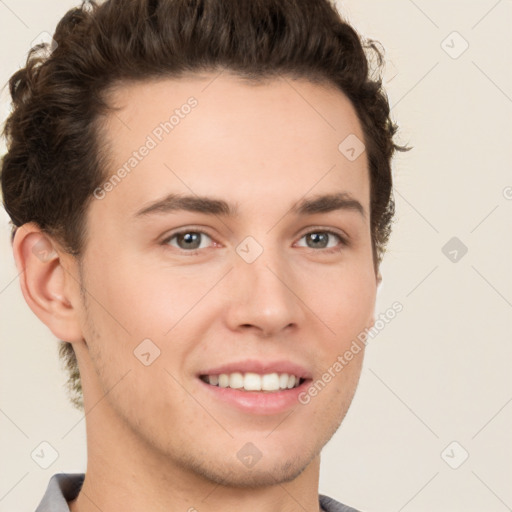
(49, 287)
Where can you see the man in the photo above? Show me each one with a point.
(201, 221)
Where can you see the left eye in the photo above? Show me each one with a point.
(322, 239)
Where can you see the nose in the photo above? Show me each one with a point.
(263, 297)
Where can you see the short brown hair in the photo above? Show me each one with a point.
(55, 159)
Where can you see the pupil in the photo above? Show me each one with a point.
(191, 240)
(319, 237)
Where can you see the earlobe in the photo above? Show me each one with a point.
(44, 282)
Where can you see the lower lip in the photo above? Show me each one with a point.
(256, 402)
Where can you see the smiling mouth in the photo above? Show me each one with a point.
(268, 382)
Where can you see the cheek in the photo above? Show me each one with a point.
(346, 301)
(156, 311)
(143, 302)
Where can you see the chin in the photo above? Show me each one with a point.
(236, 475)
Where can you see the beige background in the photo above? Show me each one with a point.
(440, 371)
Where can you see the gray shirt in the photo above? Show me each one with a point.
(64, 487)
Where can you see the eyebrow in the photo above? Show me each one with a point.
(213, 206)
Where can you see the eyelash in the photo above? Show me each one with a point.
(343, 240)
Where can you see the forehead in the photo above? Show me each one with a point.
(216, 134)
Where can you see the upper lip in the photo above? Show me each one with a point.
(261, 367)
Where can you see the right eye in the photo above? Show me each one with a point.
(188, 240)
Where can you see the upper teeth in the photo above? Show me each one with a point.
(254, 381)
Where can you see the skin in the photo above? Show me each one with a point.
(156, 440)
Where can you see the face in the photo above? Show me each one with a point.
(235, 250)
